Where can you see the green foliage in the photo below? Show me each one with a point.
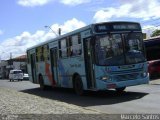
(155, 33)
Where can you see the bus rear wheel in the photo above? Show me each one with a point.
(78, 85)
(121, 89)
(41, 82)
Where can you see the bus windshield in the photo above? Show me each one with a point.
(119, 49)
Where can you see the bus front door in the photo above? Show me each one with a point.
(88, 55)
(33, 66)
(54, 57)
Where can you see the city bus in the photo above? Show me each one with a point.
(100, 56)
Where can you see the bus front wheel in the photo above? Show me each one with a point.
(78, 85)
(120, 90)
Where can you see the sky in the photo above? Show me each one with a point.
(22, 21)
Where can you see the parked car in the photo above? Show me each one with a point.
(154, 68)
(16, 75)
(25, 76)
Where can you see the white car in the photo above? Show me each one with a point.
(16, 75)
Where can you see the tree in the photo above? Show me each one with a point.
(155, 33)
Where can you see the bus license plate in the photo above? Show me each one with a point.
(110, 86)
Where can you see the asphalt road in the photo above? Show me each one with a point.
(136, 99)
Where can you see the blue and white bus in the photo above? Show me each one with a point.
(100, 56)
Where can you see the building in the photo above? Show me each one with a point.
(14, 63)
(3, 70)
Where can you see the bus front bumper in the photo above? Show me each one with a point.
(112, 85)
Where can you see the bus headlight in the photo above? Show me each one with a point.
(144, 74)
(105, 78)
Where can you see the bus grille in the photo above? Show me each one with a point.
(127, 77)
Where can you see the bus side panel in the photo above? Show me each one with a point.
(53, 64)
(31, 65)
(29, 72)
(67, 68)
(45, 71)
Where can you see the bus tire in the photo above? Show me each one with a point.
(78, 85)
(41, 82)
(121, 89)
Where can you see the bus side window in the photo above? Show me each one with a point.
(76, 48)
(69, 47)
(70, 51)
(42, 56)
(39, 54)
(63, 48)
(59, 45)
(60, 54)
(45, 52)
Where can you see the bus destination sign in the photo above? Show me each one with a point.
(126, 27)
(102, 28)
(116, 26)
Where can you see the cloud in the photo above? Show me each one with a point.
(32, 3)
(74, 2)
(71, 25)
(102, 15)
(143, 9)
(18, 44)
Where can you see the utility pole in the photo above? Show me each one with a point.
(59, 30)
(10, 61)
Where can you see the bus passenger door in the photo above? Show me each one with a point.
(33, 67)
(54, 58)
(88, 56)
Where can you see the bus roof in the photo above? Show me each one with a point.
(61, 36)
(80, 30)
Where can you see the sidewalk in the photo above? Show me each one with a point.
(154, 82)
(16, 105)
(14, 102)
